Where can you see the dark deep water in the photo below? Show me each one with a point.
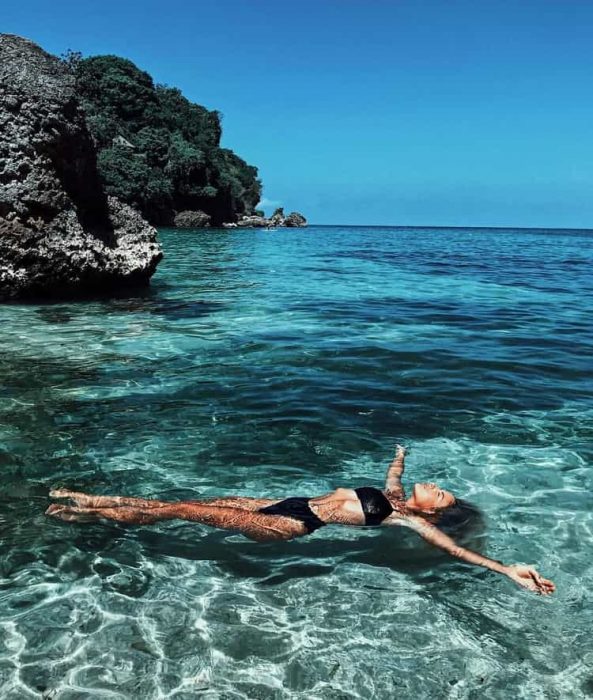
(288, 363)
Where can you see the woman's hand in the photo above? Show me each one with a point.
(528, 577)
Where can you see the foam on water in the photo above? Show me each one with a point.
(274, 365)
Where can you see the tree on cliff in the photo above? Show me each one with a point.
(157, 150)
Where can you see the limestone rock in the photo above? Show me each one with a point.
(278, 219)
(252, 222)
(295, 220)
(121, 141)
(59, 232)
(191, 219)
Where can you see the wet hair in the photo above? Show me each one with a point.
(460, 518)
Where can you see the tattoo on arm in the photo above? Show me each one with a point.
(437, 538)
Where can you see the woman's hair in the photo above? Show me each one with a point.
(460, 518)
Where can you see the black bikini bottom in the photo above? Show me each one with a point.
(298, 509)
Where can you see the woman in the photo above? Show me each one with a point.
(266, 519)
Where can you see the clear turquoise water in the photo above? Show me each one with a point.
(288, 363)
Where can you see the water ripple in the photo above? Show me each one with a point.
(289, 363)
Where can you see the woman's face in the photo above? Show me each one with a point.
(432, 497)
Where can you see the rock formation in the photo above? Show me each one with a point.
(278, 219)
(253, 222)
(295, 220)
(59, 232)
(191, 219)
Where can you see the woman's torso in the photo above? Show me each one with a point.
(347, 507)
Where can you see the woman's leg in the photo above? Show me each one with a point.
(257, 526)
(92, 501)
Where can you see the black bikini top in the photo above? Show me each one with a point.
(375, 505)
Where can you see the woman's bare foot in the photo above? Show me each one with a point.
(60, 493)
(82, 499)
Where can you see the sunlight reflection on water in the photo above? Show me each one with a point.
(288, 364)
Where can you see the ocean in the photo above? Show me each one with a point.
(288, 363)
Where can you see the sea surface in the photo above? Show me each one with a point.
(289, 363)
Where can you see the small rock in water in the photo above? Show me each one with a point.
(278, 218)
(191, 219)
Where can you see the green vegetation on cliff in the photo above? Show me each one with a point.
(158, 151)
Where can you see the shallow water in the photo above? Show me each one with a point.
(288, 363)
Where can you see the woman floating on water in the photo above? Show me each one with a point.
(265, 519)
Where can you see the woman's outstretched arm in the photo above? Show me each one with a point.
(395, 471)
(525, 576)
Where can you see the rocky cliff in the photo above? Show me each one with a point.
(157, 150)
(60, 233)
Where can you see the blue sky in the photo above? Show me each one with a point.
(376, 112)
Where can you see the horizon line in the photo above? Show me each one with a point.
(441, 226)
